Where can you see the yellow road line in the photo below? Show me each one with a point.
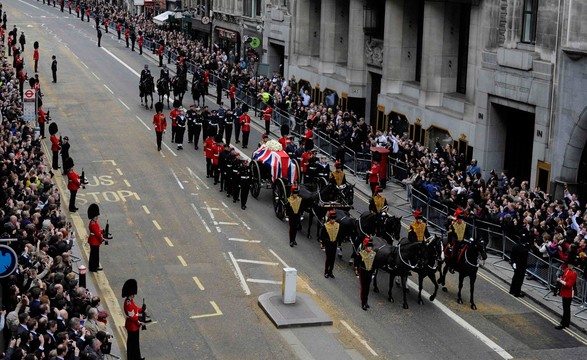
(168, 240)
(181, 260)
(200, 286)
(216, 313)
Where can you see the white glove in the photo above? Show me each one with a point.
(514, 266)
(287, 219)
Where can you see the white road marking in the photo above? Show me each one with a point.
(168, 240)
(278, 258)
(240, 275)
(142, 122)
(244, 240)
(196, 177)
(123, 104)
(84, 64)
(146, 209)
(107, 88)
(33, 6)
(127, 183)
(356, 335)
(225, 223)
(177, 179)
(236, 216)
(168, 148)
(96, 76)
(198, 283)
(122, 62)
(218, 229)
(459, 320)
(156, 224)
(181, 260)
(261, 281)
(201, 218)
(209, 209)
(257, 262)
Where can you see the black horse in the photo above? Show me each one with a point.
(397, 261)
(467, 264)
(433, 259)
(146, 88)
(316, 202)
(163, 90)
(179, 86)
(198, 91)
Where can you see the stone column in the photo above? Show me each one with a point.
(392, 47)
(302, 27)
(356, 56)
(432, 52)
(328, 19)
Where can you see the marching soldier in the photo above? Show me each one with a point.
(378, 202)
(329, 239)
(180, 121)
(132, 324)
(172, 115)
(140, 42)
(217, 148)
(223, 160)
(118, 29)
(235, 177)
(228, 121)
(237, 112)
(205, 122)
(73, 183)
(418, 231)
(323, 168)
(458, 231)
(126, 36)
(285, 139)
(95, 239)
(54, 145)
(366, 260)
(337, 177)
(293, 212)
(160, 123)
(245, 183)
(231, 162)
(208, 145)
(191, 124)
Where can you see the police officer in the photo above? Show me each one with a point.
(293, 211)
(418, 230)
(366, 259)
(329, 239)
(99, 35)
(245, 183)
(133, 39)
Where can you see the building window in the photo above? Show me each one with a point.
(253, 8)
(529, 21)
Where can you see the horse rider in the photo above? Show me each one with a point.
(458, 231)
(294, 214)
(418, 230)
(145, 73)
(378, 202)
(366, 260)
(165, 73)
(337, 177)
(329, 239)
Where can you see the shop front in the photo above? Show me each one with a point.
(228, 40)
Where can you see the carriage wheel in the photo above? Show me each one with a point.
(321, 182)
(279, 197)
(256, 180)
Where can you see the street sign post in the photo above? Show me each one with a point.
(8, 260)
(29, 100)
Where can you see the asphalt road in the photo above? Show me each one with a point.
(201, 262)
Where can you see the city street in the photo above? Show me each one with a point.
(201, 261)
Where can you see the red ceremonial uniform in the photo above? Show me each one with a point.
(160, 50)
(36, 54)
(73, 182)
(305, 161)
(42, 116)
(284, 141)
(309, 134)
(245, 121)
(216, 150)
(374, 175)
(267, 113)
(54, 143)
(173, 115)
(119, 27)
(95, 238)
(140, 40)
(88, 13)
(232, 92)
(126, 33)
(159, 122)
(569, 277)
(206, 77)
(132, 312)
(208, 144)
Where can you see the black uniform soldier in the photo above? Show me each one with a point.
(228, 121)
(235, 177)
(237, 125)
(191, 123)
(54, 68)
(180, 120)
(293, 211)
(22, 41)
(245, 183)
(99, 35)
(218, 91)
(329, 239)
(223, 159)
(133, 39)
(221, 113)
(205, 122)
(64, 144)
(366, 259)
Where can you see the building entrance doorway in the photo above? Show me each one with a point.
(374, 87)
(276, 58)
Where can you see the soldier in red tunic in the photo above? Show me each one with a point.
(132, 324)
(96, 238)
(267, 117)
(217, 148)
(73, 183)
(53, 129)
(160, 123)
(567, 281)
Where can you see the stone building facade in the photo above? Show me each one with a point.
(500, 80)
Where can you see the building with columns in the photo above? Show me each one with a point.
(485, 76)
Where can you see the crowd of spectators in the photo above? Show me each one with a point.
(43, 308)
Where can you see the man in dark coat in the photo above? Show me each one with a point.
(519, 259)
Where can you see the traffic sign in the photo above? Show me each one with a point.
(8, 261)
(205, 20)
(30, 105)
(255, 42)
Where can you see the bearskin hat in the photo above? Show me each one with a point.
(158, 106)
(176, 103)
(68, 163)
(129, 288)
(284, 130)
(309, 145)
(93, 211)
(53, 128)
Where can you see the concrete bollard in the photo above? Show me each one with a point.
(82, 275)
(288, 285)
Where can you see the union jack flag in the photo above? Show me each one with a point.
(279, 162)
